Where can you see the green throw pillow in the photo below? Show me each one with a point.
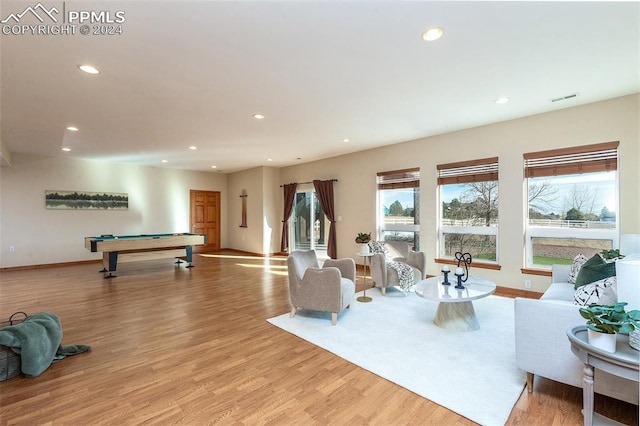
(595, 269)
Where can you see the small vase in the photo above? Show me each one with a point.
(604, 341)
(364, 248)
(634, 339)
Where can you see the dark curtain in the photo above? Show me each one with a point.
(289, 195)
(324, 193)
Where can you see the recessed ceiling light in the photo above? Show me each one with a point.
(432, 34)
(258, 116)
(214, 167)
(66, 149)
(89, 69)
(165, 161)
(345, 140)
(502, 100)
(72, 128)
(193, 148)
(269, 159)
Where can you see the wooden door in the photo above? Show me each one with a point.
(205, 218)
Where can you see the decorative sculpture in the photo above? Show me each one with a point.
(462, 258)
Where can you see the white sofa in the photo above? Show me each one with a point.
(542, 346)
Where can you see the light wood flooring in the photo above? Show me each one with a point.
(193, 347)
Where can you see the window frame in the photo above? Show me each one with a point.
(472, 171)
(398, 179)
(321, 250)
(583, 159)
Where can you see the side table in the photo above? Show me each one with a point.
(455, 308)
(623, 363)
(364, 297)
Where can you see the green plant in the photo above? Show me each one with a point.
(633, 317)
(611, 254)
(609, 319)
(363, 238)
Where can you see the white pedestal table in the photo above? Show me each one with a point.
(455, 308)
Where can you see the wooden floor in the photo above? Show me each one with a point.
(193, 347)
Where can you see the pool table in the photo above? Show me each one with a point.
(112, 245)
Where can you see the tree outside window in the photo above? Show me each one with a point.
(469, 209)
(572, 202)
(398, 208)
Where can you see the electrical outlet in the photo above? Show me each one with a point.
(527, 283)
(12, 249)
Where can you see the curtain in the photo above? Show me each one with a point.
(289, 195)
(324, 193)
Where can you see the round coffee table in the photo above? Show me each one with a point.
(455, 308)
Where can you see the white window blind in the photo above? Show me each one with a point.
(482, 170)
(397, 179)
(595, 158)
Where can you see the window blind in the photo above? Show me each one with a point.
(602, 157)
(482, 170)
(406, 178)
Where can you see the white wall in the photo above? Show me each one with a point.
(355, 192)
(272, 208)
(159, 197)
(260, 184)
(158, 203)
(5, 154)
(247, 239)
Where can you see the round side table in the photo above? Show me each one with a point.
(364, 297)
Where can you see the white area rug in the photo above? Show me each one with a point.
(471, 373)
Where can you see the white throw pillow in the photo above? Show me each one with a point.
(578, 261)
(601, 292)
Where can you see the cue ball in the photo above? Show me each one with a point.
(115, 238)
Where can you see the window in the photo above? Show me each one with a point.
(399, 207)
(309, 225)
(572, 202)
(468, 218)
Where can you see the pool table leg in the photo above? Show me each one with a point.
(109, 260)
(189, 256)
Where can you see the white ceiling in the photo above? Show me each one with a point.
(194, 72)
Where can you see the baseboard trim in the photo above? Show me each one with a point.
(83, 262)
(49, 265)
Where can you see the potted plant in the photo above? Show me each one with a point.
(363, 239)
(612, 254)
(604, 322)
(633, 317)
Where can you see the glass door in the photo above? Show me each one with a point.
(309, 225)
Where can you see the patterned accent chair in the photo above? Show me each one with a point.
(330, 288)
(395, 272)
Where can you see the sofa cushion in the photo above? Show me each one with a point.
(559, 291)
(595, 269)
(578, 261)
(602, 292)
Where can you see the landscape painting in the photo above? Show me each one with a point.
(81, 200)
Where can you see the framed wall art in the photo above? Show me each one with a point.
(83, 200)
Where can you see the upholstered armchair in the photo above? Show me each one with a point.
(330, 288)
(394, 272)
